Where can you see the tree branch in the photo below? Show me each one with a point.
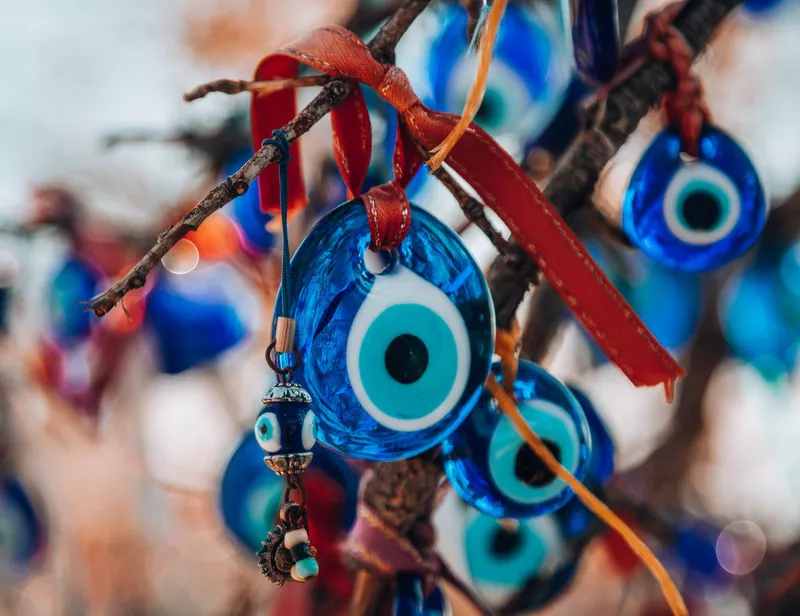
(333, 93)
(237, 86)
(577, 172)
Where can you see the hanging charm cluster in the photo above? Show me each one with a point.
(286, 428)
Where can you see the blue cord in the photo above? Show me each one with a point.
(280, 141)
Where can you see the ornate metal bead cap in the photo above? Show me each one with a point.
(287, 392)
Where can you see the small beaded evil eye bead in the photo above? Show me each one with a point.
(492, 468)
(396, 359)
(694, 215)
(286, 429)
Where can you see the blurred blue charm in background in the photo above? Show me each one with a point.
(763, 7)
(76, 281)
(194, 319)
(760, 311)
(410, 599)
(245, 211)
(694, 215)
(22, 532)
(694, 546)
(595, 38)
(529, 75)
(492, 468)
(251, 494)
(668, 301)
(396, 359)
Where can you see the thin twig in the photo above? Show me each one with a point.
(333, 93)
(578, 171)
(237, 86)
(473, 209)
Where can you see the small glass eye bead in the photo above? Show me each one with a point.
(395, 346)
(492, 468)
(286, 429)
(694, 215)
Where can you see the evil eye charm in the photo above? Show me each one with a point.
(576, 519)
(529, 74)
(245, 211)
(251, 495)
(410, 599)
(76, 281)
(698, 215)
(668, 301)
(22, 533)
(493, 469)
(760, 310)
(762, 7)
(595, 38)
(515, 567)
(396, 359)
(194, 319)
(286, 429)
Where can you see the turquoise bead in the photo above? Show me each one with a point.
(307, 568)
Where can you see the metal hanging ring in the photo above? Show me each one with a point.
(289, 370)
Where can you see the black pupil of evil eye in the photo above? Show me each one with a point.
(531, 470)
(406, 359)
(505, 542)
(702, 210)
(263, 429)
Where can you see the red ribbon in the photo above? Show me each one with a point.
(489, 169)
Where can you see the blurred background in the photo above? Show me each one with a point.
(126, 451)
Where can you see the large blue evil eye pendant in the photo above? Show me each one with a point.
(493, 469)
(694, 215)
(286, 430)
(395, 345)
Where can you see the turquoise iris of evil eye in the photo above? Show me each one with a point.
(408, 361)
(545, 418)
(503, 557)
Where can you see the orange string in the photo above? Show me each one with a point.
(478, 89)
(668, 588)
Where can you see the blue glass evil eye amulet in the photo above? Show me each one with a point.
(698, 215)
(394, 360)
(493, 469)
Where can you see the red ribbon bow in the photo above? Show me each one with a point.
(489, 169)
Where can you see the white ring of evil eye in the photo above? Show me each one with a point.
(309, 434)
(550, 422)
(703, 175)
(402, 286)
(268, 432)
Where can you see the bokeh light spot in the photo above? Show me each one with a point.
(741, 547)
(182, 259)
